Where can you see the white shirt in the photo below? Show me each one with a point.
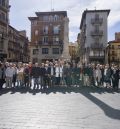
(58, 71)
(21, 70)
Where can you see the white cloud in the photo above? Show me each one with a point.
(21, 10)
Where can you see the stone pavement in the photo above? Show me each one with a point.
(60, 108)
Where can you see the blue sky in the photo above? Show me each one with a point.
(21, 10)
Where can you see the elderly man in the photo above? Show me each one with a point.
(9, 72)
(35, 73)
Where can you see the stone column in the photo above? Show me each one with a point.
(65, 55)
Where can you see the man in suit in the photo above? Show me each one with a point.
(52, 74)
(46, 76)
(35, 73)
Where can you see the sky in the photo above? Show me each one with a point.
(22, 9)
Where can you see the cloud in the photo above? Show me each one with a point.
(20, 11)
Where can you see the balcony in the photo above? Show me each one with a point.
(97, 33)
(50, 43)
(97, 58)
(96, 46)
(97, 21)
(4, 7)
(5, 21)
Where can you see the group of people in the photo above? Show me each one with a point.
(57, 73)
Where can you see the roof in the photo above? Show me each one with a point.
(91, 11)
(32, 18)
(52, 12)
(114, 41)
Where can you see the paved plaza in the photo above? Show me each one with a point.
(60, 108)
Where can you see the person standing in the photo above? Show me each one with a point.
(75, 74)
(2, 75)
(26, 75)
(86, 75)
(67, 74)
(30, 77)
(98, 75)
(46, 76)
(15, 75)
(57, 74)
(9, 72)
(115, 77)
(20, 76)
(42, 75)
(107, 76)
(35, 73)
(102, 73)
(52, 74)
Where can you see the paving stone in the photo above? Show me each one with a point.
(73, 108)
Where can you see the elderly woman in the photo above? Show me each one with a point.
(20, 75)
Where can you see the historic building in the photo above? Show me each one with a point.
(4, 22)
(73, 47)
(18, 49)
(49, 36)
(78, 48)
(113, 50)
(93, 36)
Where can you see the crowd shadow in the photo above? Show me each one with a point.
(85, 91)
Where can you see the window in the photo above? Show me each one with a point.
(56, 39)
(2, 2)
(96, 16)
(51, 18)
(56, 29)
(91, 53)
(101, 53)
(55, 50)
(118, 46)
(45, 50)
(113, 58)
(35, 60)
(3, 16)
(96, 28)
(45, 18)
(45, 39)
(96, 53)
(113, 53)
(56, 18)
(35, 51)
(34, 22)
(112, 46)
(36, 32)
(45, 29)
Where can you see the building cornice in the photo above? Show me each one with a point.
(52, 12)
(91, 11)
